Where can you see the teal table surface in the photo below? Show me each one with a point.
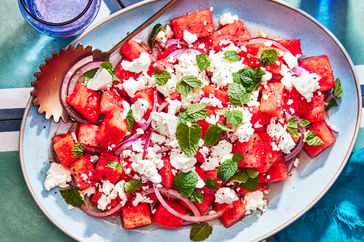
(22, 49)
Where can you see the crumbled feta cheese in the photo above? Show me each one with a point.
(227, 18)
(279, 134)
(187, 66)
(254, 200)
(258, 125)
(244, 132)
(254, 99)
(189, 37)
(222, 69)
(201, 46)
(225, 195)
(139, 198)
(161, 38)
(210, 163)
(157, 138)
(212, 119)
(200, 182)
(267, 77)
(101, 79)
(109, 192)
(221, 149)
(296, 162)
(292, 111)
(212, 101)
(148, 169)
(307, 84)
(181, 162)
(287, 77)
(289, 102)
(174, 106)
(137, 146)
(94, 158)
(131, 86)
(57, 175)
(290, 59)
(139, 108)
(169, 87)
(88, 191)
(191, 98)
(164, 123)
(138, 65)
(139, 131)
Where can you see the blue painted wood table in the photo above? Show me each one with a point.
(22, 49)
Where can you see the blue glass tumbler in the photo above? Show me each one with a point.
(59, 18)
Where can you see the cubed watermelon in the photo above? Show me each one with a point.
(271, 102)
(236, 32)
(165, 219)
(220, 94)
(232, 215)
(110, 100)
(293, 45)
(199, 23)
(252, 152)
(269, 156)
(208, 199)
(136, 216)
(324, 133)
(166, 173)
(208, 174)
(123, 74)
(317, 109)
(132, 50)
(63, 148)
(321, 66)
(85, 101)
(82, 171)
(108, 167)
(86, 134)
(277, 172)
(112, 130)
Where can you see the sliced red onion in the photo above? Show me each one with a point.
(148, 137)
(299, 146)
(188, 218)
(92, 150)
(330, 124)
(171, 42)
(90, 211)
(177, 53)
(262, 40)
(298, 70)
(173, 194)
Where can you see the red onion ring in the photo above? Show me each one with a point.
(329, 123)
(297, 149)
(173, 194)
(148, 137)
(188, 218)
(177, 53)
(97, 214)
(262, 40)
(171, 42)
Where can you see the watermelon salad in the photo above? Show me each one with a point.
(191, 126)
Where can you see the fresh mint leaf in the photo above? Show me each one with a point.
(187, 84)
(237, 94)
(130, 119)
(155, 31)
(227, 169)
(251, 184)
(203, 61)
(197, 196)
(211, 183)
(304, 122)
(88, 75)
(72, 197)
(292, 126)
(252, 173)
(330, 104)
(237, 157)
(114, 165)
(231, 55)
(338, 90)
(77, 150)
(188, 137)
(200, 232)
(234, 117)
(161, 77)
(185, 183)
(132, 185)
(212, 135)
(241, 176)
(194, 113)
(249, 77)
(312, 139)
(268, 57)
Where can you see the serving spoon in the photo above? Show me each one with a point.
(48, 83)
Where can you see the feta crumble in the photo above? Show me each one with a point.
(102, 79)
(57, 176)
(181, 162)
(139, 108)
(227, 18)
(138, 65)
(225, 195)
(189, 37)
(148, 169)
(254, 200)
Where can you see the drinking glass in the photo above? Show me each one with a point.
(59, 18)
